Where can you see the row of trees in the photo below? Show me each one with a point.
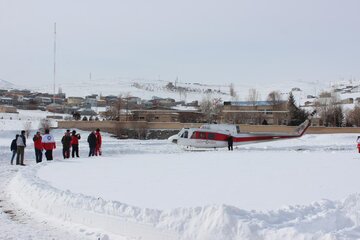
(332, 113)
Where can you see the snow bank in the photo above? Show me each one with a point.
(320, 220)
(31, 192)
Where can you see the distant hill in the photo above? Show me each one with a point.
(145, 89)
(6, 84)
(304, 91)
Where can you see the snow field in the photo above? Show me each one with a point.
(244, 179)
(153, 190)
(320, 220)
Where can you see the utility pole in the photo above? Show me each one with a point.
(54, 59)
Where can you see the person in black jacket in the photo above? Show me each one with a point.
(13, 148)
(66, 142)
(230, 142)
(92, 143)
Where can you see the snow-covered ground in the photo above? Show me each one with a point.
(26, 119)
(298, 189)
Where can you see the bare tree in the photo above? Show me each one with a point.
(353, 117)
(44, 124)
(330, 110)
(233, 93)
(114, 112)
(253, 98)
(27, 128)
(274, 99)
(211, 108)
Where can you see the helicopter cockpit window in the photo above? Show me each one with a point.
(185, 134)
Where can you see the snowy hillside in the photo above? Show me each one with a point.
(304, 91)
(6, 84)
(181, 90)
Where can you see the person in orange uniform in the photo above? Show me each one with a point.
(75, 143)
(98, 143)
(49, 145)
(38, 147)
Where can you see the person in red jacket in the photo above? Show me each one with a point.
(98, 143)
(48, 143)
(38, 147)
(75, 143)
(358, 143)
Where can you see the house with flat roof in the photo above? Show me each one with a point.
(255, 112)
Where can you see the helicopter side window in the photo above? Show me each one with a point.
(202, 135)
(211, 135)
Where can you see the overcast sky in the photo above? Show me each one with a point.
(228, 41)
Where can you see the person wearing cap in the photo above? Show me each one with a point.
(38, 147)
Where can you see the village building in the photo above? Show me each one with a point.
(56, 108)
(6, 100)
(255, 112)
(8, 109)
(155, 115)
(90, 102)
(75, 101)
(347, 101)
(44, 100)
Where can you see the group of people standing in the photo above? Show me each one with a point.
(18, 148)
(45, 142)
(70, 141)
(95, 141)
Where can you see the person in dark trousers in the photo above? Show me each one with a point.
(38, 147)
(20, 148)
(75, 144)
(48, 143)
(98, 143)
(66, 142)
(92, 143)
(230, 141)
(13, 148)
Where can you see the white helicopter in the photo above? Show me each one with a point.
(217, 135)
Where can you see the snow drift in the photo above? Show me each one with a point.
(320, 220)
